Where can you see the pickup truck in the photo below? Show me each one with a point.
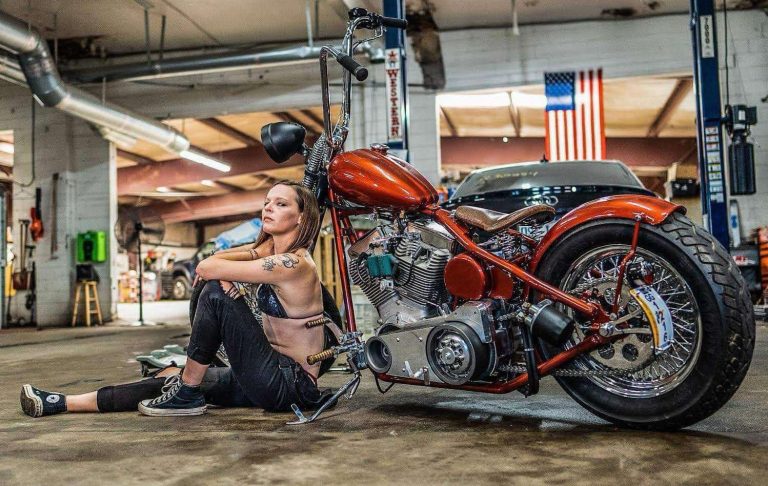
(177, 282)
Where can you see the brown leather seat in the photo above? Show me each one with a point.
(492, 221)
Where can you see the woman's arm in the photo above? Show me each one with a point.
(271, 270)
(234, 249)
(245, 252)
(264, 249)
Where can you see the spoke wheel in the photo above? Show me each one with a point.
(713, 323)
(599, 269)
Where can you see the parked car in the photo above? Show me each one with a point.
(563, 185)
(177, 282)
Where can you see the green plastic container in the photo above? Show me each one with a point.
(92, 246)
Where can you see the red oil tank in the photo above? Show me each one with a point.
(465, 277)
(372, 178)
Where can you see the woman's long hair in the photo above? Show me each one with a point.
(310, 218)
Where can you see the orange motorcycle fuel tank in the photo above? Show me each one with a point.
(372, 178)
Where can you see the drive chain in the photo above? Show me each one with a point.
(573, 372)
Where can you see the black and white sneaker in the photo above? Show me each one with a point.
(38, 403)
(178, 399)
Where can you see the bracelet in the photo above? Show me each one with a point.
(233, 292)
(254, 254)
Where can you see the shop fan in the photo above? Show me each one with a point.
(131, 232)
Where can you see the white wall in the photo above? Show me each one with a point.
(86, 200)
(748, 62)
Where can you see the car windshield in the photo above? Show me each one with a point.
(527, 176)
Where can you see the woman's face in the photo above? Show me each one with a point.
(281, 211)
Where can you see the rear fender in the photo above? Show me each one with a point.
(651, 210)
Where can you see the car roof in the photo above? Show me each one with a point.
(541, 164)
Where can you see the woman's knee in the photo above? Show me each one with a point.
(212, 290)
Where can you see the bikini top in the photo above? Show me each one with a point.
(266, 299)
(262, 299)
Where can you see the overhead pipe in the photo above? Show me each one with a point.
(201, 64)
(11, 71)
(39, 70)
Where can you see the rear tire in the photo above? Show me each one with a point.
(720, 352)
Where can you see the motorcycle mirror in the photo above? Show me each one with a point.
(282, 140)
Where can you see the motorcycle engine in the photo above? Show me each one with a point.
(411, 288)
(420, 336)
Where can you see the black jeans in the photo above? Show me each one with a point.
(268, 379)
(259, 376)
(219, 387)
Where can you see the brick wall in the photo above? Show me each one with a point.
(86, 200)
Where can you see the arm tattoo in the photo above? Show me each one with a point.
(289, 261)
(268, 264)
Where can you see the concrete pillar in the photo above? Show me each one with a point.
(87, 200)
(425, 134)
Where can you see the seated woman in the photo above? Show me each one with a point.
(269, 366)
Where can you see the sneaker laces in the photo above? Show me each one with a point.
(170, 388)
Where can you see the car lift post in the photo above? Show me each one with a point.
(706, 81)
(396, 82)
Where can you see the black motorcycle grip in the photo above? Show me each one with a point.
(354, 67)
(394, 22)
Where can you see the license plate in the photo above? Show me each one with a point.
(658, 315)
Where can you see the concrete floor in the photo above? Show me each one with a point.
(410, 435)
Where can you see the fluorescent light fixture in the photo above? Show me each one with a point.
(205, 160)
(6, 148)
(163, 189)
(527, 100)
(208, 182)
(489, 100)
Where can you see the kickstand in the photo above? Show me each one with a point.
(351, 385)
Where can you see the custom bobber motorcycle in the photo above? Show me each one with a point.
(639, 314)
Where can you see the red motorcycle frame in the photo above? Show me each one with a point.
(397, 183)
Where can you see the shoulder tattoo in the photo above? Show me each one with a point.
(289, 261)
(268, 264)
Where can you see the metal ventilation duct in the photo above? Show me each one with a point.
(39, 69)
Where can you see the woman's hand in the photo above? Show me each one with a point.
(230, 289)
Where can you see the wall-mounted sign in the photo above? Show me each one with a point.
(393, 68)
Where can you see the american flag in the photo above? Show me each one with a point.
(574, 124)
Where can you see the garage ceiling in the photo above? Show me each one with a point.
(109, 27)
(231, 138)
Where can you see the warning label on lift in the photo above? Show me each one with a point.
(706, 37)
(714, 178)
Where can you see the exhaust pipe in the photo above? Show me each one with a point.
(40, 74)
